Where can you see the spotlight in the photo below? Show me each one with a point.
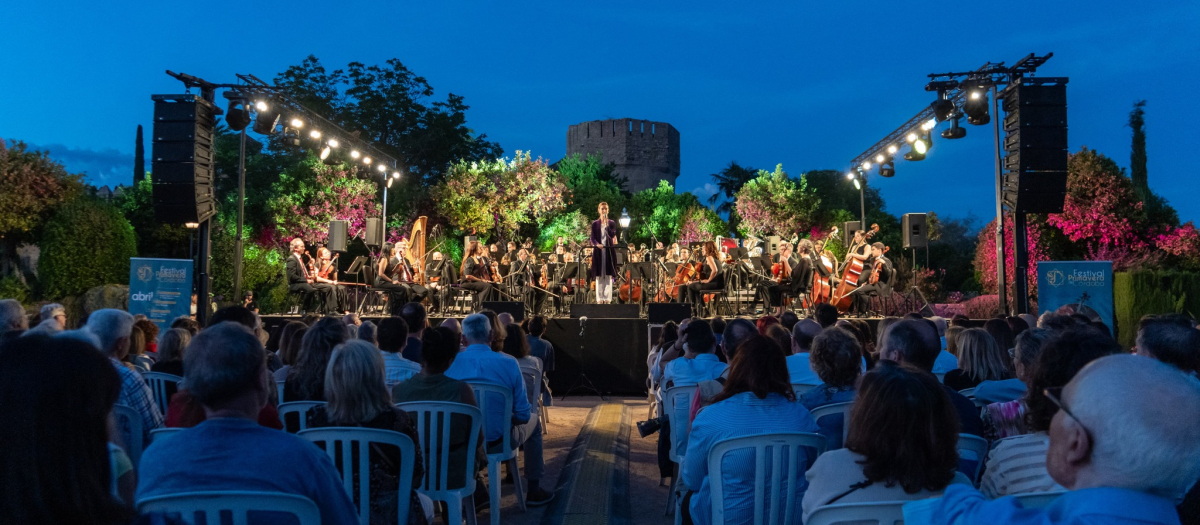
(955, 132)
(395, 175)
(237, 117)
(866, 166)
(942, 107)
(888, 169)
(892, 149)
(382, 169)
(260, 105)
(976, 105)
(314, 134)
(857, 185)
(333, 143)
(296, 123)
(354, 154)
(920, 146)
(325, 153)
(928, 125)
(367, 160)
(879, 158)
(265, 120)
(911, 137)
(850, 176)
(914, 155)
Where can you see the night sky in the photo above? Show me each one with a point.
(806, 84)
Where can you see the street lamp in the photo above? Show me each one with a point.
(859, 179)
(624, 222)
(388, 180)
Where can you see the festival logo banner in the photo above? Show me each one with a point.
(160, 289)
(1080, 286)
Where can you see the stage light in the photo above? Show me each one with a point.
(382, 169)
(857, 185)
(260, 105)
(395, 175)
(866, 166)
(928, 125)
(879, 158)
(942, 107)
(367, 160)
(333, 143)
(236, 115)
(296, 123)
(914, 155)
(314, 134)
(850, 176)
(325, 153)
(354, 154)
(892, 149)
(911, 137)
(976, 105)
(955, 132)
(887, 169)
(920, 146)
(265, 120)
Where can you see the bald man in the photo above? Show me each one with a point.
(1117, 444)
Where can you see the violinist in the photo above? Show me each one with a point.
(878, 268)
(710, 278)
(437, 275)
(301, 279)
(477, 273)
(327, 273)
(794, 276)
(386, 279)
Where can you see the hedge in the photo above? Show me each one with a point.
(1136, 294)
(85, 244)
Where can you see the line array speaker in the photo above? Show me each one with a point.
(182, 158)
(1035, 146)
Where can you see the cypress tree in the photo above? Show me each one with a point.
(139, 158)
(1137, 157)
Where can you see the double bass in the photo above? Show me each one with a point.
(821, 289)
(851, 277)
(631, 291)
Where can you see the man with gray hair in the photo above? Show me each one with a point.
(225, 371)
(799, 369)
(1124, 458)
(13, 321)
(112, 329)
(366, 332)
(57, 315)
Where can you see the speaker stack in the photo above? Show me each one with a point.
(182, 158)
(1035, 146)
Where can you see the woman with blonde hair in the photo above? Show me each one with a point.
(979, 359)
(356, 397)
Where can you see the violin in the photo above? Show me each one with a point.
(878, 265)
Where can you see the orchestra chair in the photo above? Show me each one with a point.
(374, 297)
(207, 507)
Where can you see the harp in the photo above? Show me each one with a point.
(416, 249)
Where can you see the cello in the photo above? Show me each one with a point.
(850, 277)
(821, 289)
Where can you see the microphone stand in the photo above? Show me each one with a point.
(582, 382)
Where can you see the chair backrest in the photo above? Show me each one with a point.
(800, 388)
(350, 449)
(206, 507)
(300, 409)
(835, 408)
(279, 391)
(879, 513)
(486, 395)
(369, 274)
(775, 500)
(162, 432)
(163, 386)
(968, 392)
(1038, 500)
(129, 426)
(941, 377)
(677, 405)
(433, 419)
(972, 449)
(533, 384)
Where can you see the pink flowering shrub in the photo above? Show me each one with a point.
(333, 193)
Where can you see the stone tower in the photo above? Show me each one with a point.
(644, 152)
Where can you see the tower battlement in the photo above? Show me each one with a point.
(643, 151)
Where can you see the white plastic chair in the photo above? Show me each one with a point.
(300, 408)
(676, 406)
(162, 385)
(800, 388)
(1038, 500)
(161, 432)
(973, 448)
(879, 513)
(485, 395)
(836, 408)
(279, 391)
(941, 377)
(433, 420)
(129, 425)
(785, 477)
(207, 506)
(342, 443)
(968, 392)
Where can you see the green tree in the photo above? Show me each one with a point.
(729, 180)
(658, 212)
(589, 182)
(155, 239)
(701, 223)
(1158, 212)
(32, 186)
(773, 203)
(499, 195)
(86, 243)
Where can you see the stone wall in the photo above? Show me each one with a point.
(644, 152)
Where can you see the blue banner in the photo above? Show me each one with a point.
(1080, 286)
(160, 289)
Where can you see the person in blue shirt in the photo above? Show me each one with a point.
(836, 357)
(700, 361)
(799, 369)
(225, 370)
(1117, 444)
(757, 399)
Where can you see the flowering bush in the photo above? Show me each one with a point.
(775, 204)
(701, 223)
(1102, 210)
(470, 196)
(332, 193)
(1182, 245)
(985, 255)
(982, 307)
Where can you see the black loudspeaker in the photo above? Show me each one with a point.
(1035, 146)
(514, 308)
(337, 235)
(848, 229)
(182, 158)
(605, 311)
(660, 313)
(916, 233)
(374, 234)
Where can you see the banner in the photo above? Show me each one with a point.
(1081, 286)
(160, 289)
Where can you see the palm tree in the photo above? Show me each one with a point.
(729, 181)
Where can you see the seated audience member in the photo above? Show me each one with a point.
(1056, 321)
(439, 348)
(825, 314)
(757, 399)
(1001, 332)
(960, 320)
(538, 347)
(113, 328)
(1017, 464)
(764, 323)
(788, 320)
(735, 333)
(1005, 391)
(941, 325)
(505, 319)
(151, 330)
(835, 357)
(1172, 339)
(901, 447)
(369, 332)
(1123, 458)
(357, 398)
(1017, 325)
(952, 340)
(393, 339)
(135, 358)
(306, 379)
(185, 411)
(452, 324)
(53, 320)
(866, 341)
(238, 314)
(699, 362)
(782, 338)
(351, 319)
(800, 371)
(417, 320)
(517, 346)
(498, 332)
(719, 323)
(666, 339)
(289, 348)
(172, 346)
(13, 320)
(915, 343)
(1030, 320)
(58, 464)
(979, 359)
(226, 372)
(186, 323)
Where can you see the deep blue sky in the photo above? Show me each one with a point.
(806, 84)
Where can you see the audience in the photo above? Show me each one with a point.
(1017, 325)
(1123, 458)
(227, 374)
(757, 399)
(369, 332)
(56, 395)
(718, 325)
(517, 346)
(416, 319)
(835, 358)
(952, 340)
(498, 333)
(505, 319)
(289, 353)
(666, 339)
(538, 347)
(1028, 347)
(979, 359)
(172, 346)
(237, 314)
(112, 329)
(1016, 464)
(782, 338)
(764, 323)
(699, 363)
(151, 330)
(902, 443)
(306, 379)
(1001, 332)
(53, 320)
(1172, 339)
(13, 320)
(915, 342)
(186, 323)
(393, 339)
(825, 314)
(788, 321)
(800, 371)
(135, 358)
(358, 398)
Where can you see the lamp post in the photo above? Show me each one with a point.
(859, 183)
(624, 222)
(388, 184)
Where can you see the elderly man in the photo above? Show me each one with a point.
(916, 342)
(799, 369)
(13, 321)
(54, 317)
(1124, 458)
(112, 329)
(226, 372)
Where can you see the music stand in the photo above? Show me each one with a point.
(737, 253)
(356, 266)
